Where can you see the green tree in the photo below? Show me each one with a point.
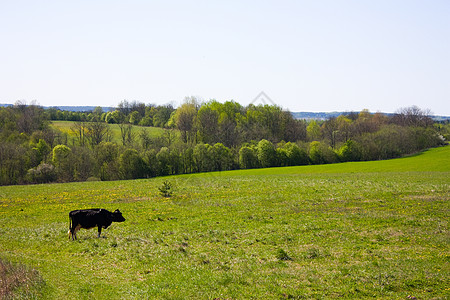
(292, 130)
(114, 117)
(222, 157)
(227, 130)
(203, 161)
(315, 153)
(207, 124)
(313, 131)
(296, 156)
(267, 155)
(162, 115)
(186, 158)
(62, 160)
(320, 153)
(135, 117)
(41, 150)
(349, 151)
(365, 123)
(184, 119)
(282, 157)
(163, 158)
(13, 163)
(344, 127)
(248, 157)
(131, 165)
(151, 162)
(107, 156)
(145, 138)
(98, 110)
(175, 166)
(83, 163)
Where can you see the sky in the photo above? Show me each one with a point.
(316, 56)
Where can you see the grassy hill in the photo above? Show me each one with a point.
(353, 230)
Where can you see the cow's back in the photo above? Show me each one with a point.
(87, 218)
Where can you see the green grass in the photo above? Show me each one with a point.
(355, 230)
(65, 127)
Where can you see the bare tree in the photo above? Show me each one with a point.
(127, 134)
(79, 129)
(330, 130)
(30, 118)
(413, 116)
(97, 132)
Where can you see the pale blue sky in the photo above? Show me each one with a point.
(316, 55)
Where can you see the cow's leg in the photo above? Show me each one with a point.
(74, 232)
(99, 230)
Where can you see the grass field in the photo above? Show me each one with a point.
(65, 127)
(354, 230)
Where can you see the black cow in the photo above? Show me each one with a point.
(90, 218)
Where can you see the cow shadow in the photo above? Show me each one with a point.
(90, 238)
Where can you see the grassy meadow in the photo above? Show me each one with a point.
(354, 230)
(65, 127)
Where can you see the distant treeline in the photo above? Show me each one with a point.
(198, 137)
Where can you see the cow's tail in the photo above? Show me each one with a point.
(70, 228)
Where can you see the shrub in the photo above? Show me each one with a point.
(92, 178)
(43, 173)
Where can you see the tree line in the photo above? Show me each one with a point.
(198, 137)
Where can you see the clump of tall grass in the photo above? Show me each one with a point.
(19, 281)
(282, 255)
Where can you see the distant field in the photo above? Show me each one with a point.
(355, 230)
(65, 126)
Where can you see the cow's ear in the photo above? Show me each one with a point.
(117, 211)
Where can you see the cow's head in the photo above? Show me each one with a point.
(117, 216)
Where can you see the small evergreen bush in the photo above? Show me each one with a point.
(166, 189)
